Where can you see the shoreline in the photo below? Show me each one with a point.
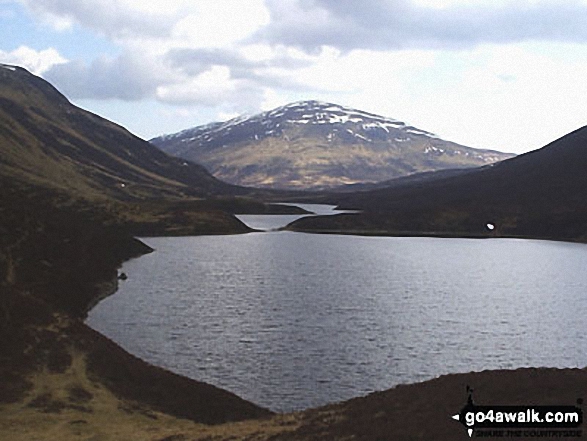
(55, 371)
(430, 234)
(513, 369)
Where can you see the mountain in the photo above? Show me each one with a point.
(45, 140)
(539, 194)
(316, 145)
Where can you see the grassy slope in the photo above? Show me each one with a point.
(48, 141)
(99, 167)
(54, 263)
(66, 224)
(537, 195)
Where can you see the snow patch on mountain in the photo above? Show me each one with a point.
(364, 125)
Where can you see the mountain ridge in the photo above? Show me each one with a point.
(316, 145)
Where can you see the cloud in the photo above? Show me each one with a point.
(291, 46)
(197, 61)
(214, 88)
(203, 23)
(514, 98)
(218, 23)
(207, 77)
(178, 51)
(124, 77)
(506, 97)
(263, 68)
(400, 24)
(208, 88)
(116, 19)
(37, 62)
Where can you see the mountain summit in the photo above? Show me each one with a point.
(313, 144)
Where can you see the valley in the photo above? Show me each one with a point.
(77, 190)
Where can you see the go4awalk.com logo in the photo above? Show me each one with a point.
(520, 421)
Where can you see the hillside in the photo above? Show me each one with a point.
(55, 263)
(539, 194)
(74, 188)
(46, 140)
(316, 145)
(48, 144)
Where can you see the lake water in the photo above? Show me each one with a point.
(293, 320)
(273, 222)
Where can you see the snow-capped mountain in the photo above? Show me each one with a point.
(313, 144)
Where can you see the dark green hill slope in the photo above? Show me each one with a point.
(538, 194)
(54, 264)
(46, 140)
(48, 144)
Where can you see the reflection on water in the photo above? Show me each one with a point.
(292, 320)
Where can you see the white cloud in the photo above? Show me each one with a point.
(112, 18)
(443, 4)
(219, 23)
(150, 34)
(506, 97)
(400, 24)
(209, 88)
(225, 116)
(361, 70)
(37, 62)
(129, 76)
(178, 23)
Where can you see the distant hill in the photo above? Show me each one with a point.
(316, 145)
(538, 194)
(47, 141)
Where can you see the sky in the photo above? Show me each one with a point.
(508, 75)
